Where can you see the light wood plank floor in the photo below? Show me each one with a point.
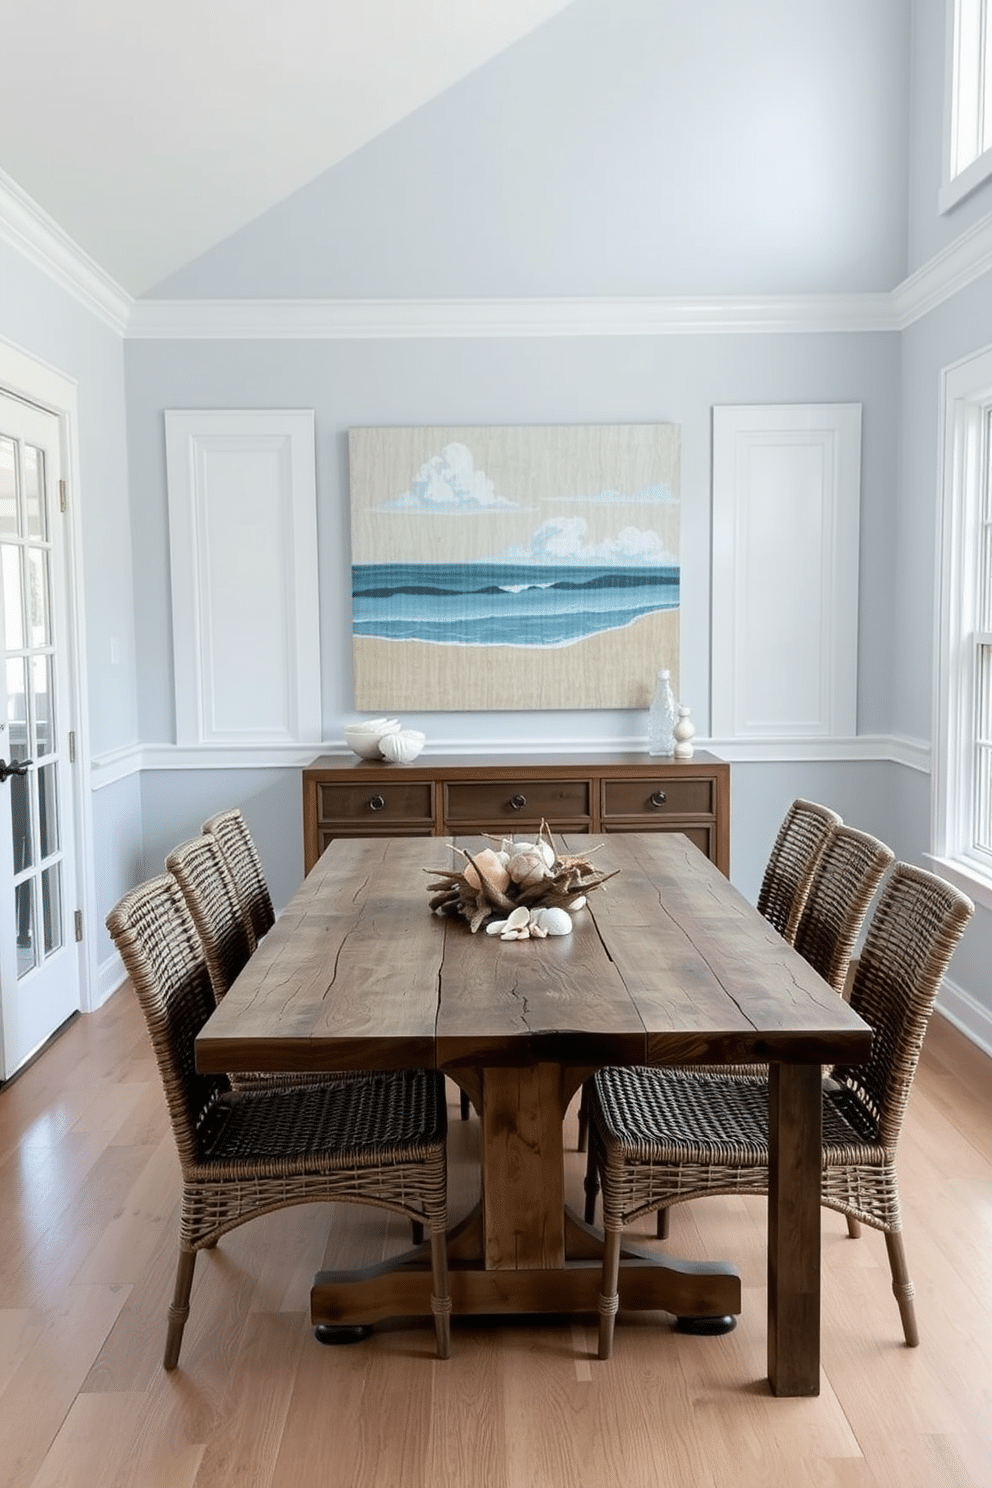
(88, 1191)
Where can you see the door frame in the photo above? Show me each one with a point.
(26, 376)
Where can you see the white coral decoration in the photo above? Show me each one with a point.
(512, 884)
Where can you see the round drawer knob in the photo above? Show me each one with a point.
(377, 803)
(659, 798)
(518, 802)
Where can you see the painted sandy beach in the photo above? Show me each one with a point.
(602, 671)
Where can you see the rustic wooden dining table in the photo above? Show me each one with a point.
(667, 964)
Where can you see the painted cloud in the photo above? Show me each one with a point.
(449, 482)
(564, 541)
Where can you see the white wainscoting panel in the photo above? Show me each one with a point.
(243, 542)
(786, 496)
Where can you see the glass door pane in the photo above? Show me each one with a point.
(39, 970)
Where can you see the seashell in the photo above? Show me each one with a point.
(552, 921)
(579, 903)
(402, 746)
(528, 867)
(495, 927)
(492, 868)
(519, 918)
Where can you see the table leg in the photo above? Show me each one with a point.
(521, 1250)
(794, 1121)
(523, 1177)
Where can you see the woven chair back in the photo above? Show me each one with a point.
(200, 869)
(795, 853)
(159, 945)
(236, 843)
(914, 929)
(848, 872)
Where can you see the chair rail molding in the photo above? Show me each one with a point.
(108, 769)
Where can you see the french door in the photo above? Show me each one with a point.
(39, 968)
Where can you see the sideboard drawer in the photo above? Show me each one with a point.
(601, 791)
(520, 800)
(379, 804)
(651, 799)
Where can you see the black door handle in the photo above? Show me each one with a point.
(16, 767)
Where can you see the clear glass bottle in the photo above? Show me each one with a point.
(661, 717)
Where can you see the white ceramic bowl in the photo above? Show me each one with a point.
(375, 726)
(364, 738)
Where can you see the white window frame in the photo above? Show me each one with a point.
(966, 403)
(967, 101)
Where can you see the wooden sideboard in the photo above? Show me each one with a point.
(510, 795)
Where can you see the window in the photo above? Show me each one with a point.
(968, 143)
(963, 737)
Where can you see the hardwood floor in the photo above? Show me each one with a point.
(88, 1190)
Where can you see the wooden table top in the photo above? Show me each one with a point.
(667, 964)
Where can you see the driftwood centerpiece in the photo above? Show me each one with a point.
(523, 889)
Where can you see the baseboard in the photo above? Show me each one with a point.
(967, 1015)
(110, 977)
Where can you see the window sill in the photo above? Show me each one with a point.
(966, 876)
(963, 184)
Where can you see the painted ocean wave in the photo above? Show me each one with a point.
(487, 604)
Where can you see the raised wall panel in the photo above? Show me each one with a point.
(786, 496)
(243, 544)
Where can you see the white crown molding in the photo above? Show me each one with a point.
(947, 273)
(43, 243)
(39, 238)
(481, 319)
(29, 229)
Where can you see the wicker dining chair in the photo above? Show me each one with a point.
(804, 833)
(660, 1136)
(241, 856)
(200, 869)
(847, 869)
(379, 1140)
(796, 851)
(850, 866)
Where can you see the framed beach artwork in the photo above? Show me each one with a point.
(514, 568)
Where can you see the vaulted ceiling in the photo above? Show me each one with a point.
(151, 132)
